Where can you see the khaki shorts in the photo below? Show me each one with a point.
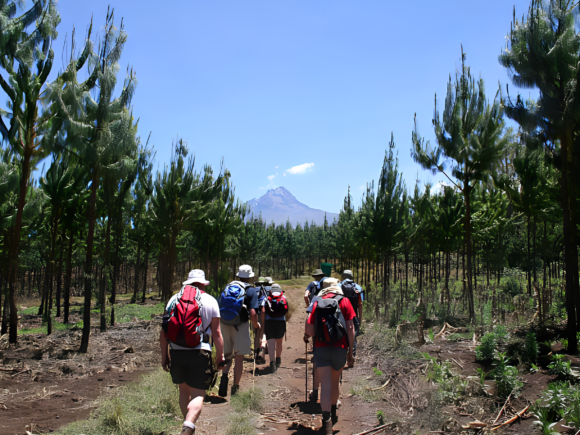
(237, 338)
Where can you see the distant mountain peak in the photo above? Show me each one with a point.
(279, 205)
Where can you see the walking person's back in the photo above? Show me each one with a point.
(238, 303)
(191, 318)
(275, 308)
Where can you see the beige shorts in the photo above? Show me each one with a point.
(237, 339)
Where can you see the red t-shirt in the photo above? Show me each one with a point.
(347, 312)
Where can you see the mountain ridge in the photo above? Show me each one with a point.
(279, 205)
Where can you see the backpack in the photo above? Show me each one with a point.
(349, 290)
(329, 321)
(262, 294)
(183, 324)
(232, 303)
(276, 304)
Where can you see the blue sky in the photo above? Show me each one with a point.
(297, 93)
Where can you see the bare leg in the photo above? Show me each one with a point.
(335, 386)
(279, 343)
(190, 402)
(272, 349)
(325, 376)
(238, 369)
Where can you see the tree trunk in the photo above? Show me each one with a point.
(59, 278)
(467, 196)
(89, 264)
(67, 278)
(145, 272)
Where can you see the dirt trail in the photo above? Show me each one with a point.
(45, 382)
(285, 390)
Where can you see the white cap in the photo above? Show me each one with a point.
(196, 275)
(245, 271)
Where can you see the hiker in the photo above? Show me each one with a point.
(314, 287)
(275, 308)
(331, 324)
(191, 318)
(311, 291)
(263, 287)
(238, 304)
(355, 295)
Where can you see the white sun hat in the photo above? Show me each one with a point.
(245, 271)
(196, 275)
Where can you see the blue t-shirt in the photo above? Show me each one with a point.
(314, 287)
(251, 302)
(358, 289)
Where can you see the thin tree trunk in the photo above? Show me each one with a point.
(67, 278)
(89, 265)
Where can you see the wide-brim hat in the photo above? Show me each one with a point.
(245, 271)
(318, 272)
(196, 275)
(329, 282)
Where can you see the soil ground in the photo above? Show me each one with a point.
(45, 381)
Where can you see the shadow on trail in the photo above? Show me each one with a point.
(214, 400)
(307, 407)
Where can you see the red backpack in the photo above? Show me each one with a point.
(277, 305)
(184, 326)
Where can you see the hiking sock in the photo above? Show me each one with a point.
(327, 422)
(223, 390)
(273, 367)
(278, 362)
(188, 425)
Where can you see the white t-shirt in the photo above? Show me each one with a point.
(210, 310)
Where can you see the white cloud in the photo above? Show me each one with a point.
(300, 169)
(276, 167)
(361, 187)
(284, 173)
(270, 177)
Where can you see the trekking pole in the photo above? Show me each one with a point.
(306, 360)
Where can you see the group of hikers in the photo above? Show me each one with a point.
(194, 320)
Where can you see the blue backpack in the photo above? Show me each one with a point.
(232, 302)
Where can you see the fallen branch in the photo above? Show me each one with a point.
(514, 418)
(379, 388)
(376, 429)
(442, 331)
(502, 409)
(453, 359)
(7, 370)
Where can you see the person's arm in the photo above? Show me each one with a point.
(254, 318)
(309, 329)
(218, 340)
(165, 361)
(360, 308)
(306, 297)
(263, 318)
(350, 334)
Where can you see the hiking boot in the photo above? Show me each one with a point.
(187, 431)
(235, 389)
(327, 423)
(223, 391)
(313, 397)
(260, 358)
(278, 362)
(273, 367)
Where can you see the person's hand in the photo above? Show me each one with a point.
(257, 326)
(165, 363)
(219, 361)
(306, 338)
(350, 360)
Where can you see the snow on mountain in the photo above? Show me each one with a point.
(279, 205)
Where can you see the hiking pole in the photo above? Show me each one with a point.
(306, 360)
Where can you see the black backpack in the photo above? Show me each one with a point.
(349, 290)
(329, 321)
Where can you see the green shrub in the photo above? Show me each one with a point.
(506, 377)
(485, 351)
(501, 334)
(544, 422)
(531, 349)
(250, 400)
(510, 286)
(381, 417)
(563, 369)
